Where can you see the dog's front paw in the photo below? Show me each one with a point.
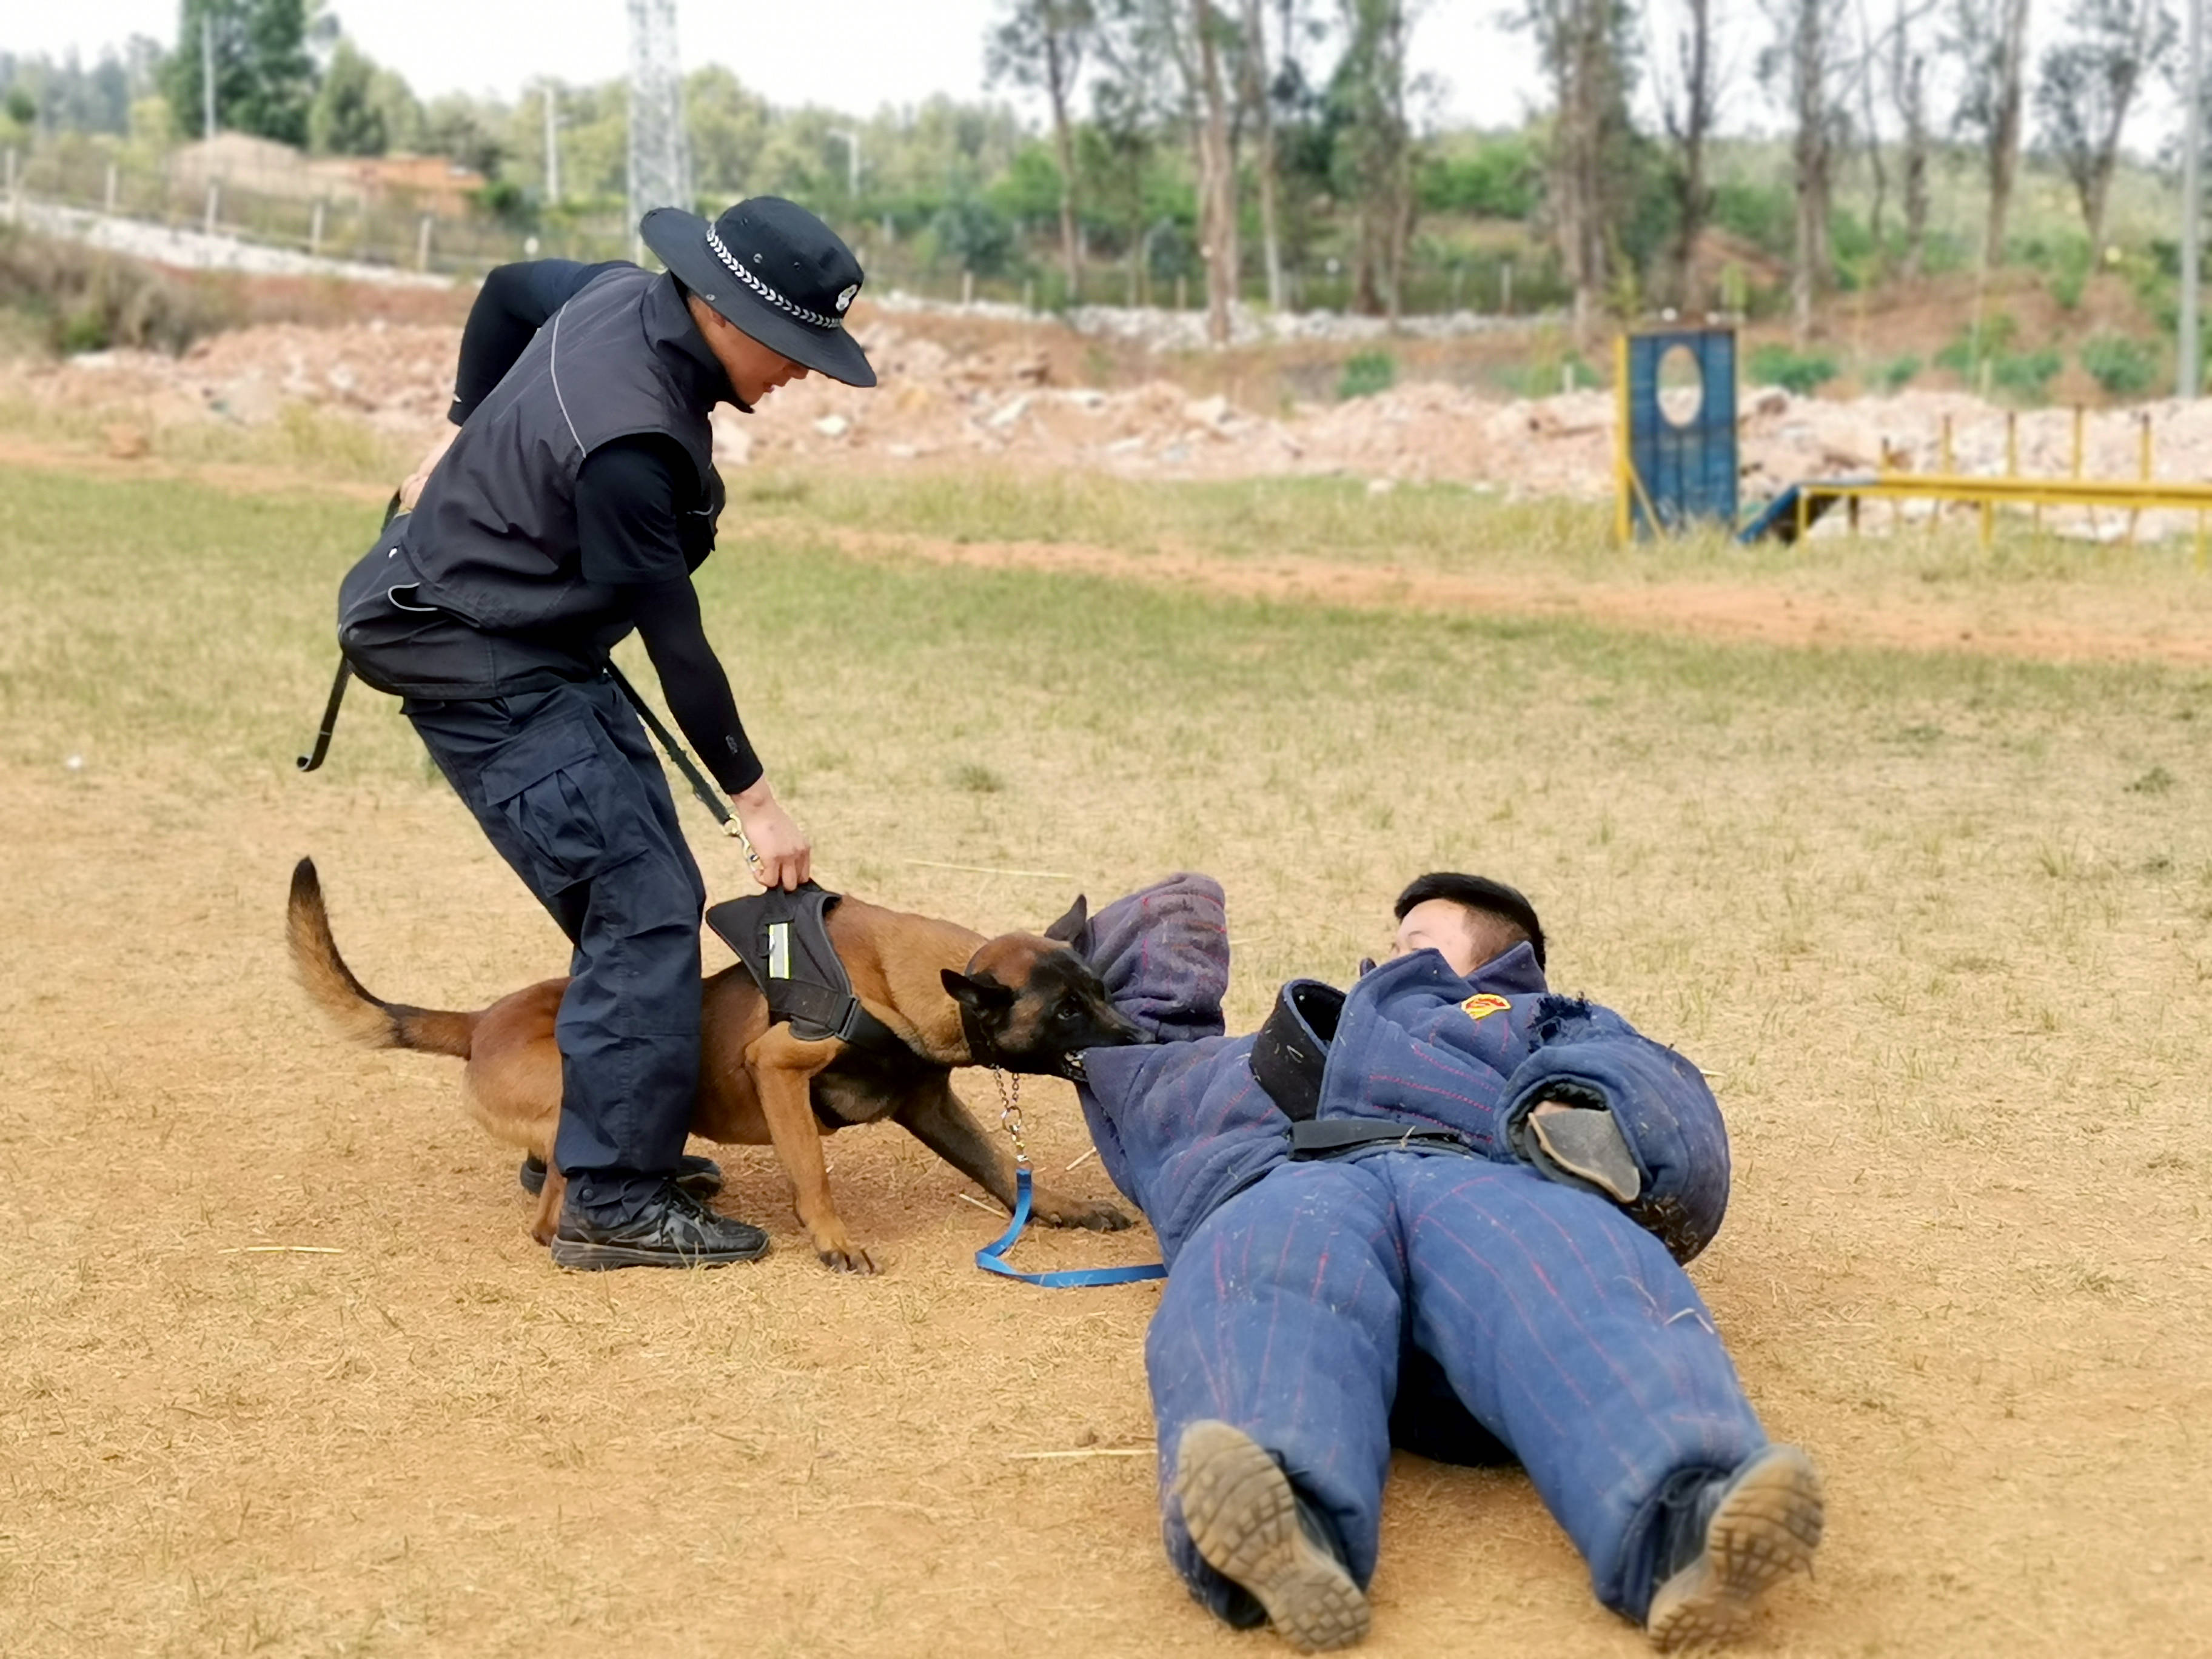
(844, 1256)
(1057, 1211)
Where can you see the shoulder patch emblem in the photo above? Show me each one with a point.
(1484, 1005)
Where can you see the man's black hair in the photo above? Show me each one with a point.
(1478, 893)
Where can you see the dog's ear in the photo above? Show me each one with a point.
(983, 996)
(1068, 930)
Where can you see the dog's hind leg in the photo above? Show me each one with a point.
(784, 1066)
(934, 1116)
(547, 1221)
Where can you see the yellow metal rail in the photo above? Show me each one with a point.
(2133, 496)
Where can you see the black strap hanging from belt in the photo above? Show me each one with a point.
(309, 762)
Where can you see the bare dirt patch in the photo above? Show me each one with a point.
(283, 1373)
(2133, 629)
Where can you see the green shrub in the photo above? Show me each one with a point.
(1892, 375)
(1367, 373)
(1799, 372)
(1964, 354)
(2125, 367)
(2068, 263)
(83, 299)
(2025, 375)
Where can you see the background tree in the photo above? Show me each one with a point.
(1584, 47)
(1041, 45)
(1217, 171)
(265, 75)
(1121, 143)
(1687, 79)
(1375, 146)
(2088, 82)
(346, 118)
(1989, 39)
(1806, 59)
(1257, 89)
(1905, 69)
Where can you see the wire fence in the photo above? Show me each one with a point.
(450, 231)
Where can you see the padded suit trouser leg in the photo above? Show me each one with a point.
(568, 791)
(1569, 1333)
(1565, 1330)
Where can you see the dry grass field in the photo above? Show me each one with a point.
(280, 1372)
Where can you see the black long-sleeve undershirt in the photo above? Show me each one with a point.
(692, 680)
(639, 521)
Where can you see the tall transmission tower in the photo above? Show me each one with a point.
(660, 156)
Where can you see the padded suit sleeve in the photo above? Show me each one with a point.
(1586, 1055)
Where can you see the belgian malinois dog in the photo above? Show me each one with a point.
(1035, 1001)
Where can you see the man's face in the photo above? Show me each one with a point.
(754, 370)
(1453, 929)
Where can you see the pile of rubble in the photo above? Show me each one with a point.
(1161, 330)
(937, 405)
(397, 377)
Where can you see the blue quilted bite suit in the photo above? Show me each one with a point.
(1460, 1304)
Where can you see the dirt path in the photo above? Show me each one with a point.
(2144, 630)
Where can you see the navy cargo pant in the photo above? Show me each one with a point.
(565, 786)
(1502, 1315)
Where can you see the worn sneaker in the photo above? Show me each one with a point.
(702, 1177)
(676, 1232)
(1746, 1534)
(1246, 1521)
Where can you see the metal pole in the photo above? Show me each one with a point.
(207, 74)
(552, 147)
(851, 140)
(2190, 361)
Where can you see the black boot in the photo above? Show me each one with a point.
(1247, 1520)
(670, 1230)
(702, 1177)
(1739, 1535)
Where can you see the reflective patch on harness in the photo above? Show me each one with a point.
(1484, 1005)
(779, 950)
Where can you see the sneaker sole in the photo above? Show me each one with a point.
(1764, 1530)
(1243, 1517)
(580, 1257)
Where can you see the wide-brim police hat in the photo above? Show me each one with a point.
(774, 272)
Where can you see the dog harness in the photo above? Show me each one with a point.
(783, 939)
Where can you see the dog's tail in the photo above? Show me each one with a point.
(362, 1015)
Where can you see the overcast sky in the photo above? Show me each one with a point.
(859, 55)
(854, 55)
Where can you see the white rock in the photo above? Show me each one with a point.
(833, 426)
(1011, 411)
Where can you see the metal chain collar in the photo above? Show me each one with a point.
(1010, 1109)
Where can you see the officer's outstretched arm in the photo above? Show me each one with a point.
(698, 694)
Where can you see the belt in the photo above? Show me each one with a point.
(1334, 1136)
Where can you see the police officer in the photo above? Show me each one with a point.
(571, 508)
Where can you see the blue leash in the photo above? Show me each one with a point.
(992, 1258)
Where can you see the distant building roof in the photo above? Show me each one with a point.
(238, 160)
